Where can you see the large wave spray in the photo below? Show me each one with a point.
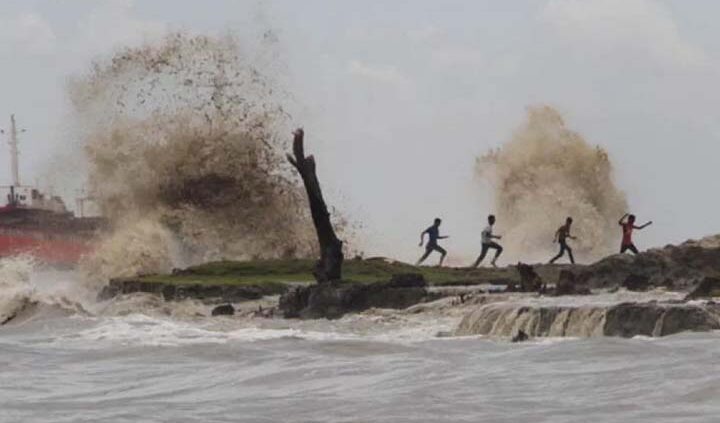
(545, 173)
(16, 289)
(183, 138)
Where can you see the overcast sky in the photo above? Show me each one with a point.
(399, 97)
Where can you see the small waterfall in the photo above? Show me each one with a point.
(625, 319)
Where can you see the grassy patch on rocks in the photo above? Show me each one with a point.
(261, 272)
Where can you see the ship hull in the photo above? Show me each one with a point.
(56, 251)
(51, 238)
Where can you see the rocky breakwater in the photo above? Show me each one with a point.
(334, 299)
(690, 267)
(208, 292)
(679, 267)
(624, 319)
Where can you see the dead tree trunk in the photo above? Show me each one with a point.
(329, 267)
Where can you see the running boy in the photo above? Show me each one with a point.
(432, 245)
(561, 236)
(488, 243)
(627, 228)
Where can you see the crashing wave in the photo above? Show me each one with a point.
(16, 289)
(545, 173)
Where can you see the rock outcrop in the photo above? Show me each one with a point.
(223, 310)
(333, 300)
(624, 320)
(679, 267)
(568, 284)
(530, 281)
(520, 336)
(228, 293)
(707, 288)
(635, 282)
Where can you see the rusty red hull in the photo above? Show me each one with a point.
(50, 238)
(60, 252)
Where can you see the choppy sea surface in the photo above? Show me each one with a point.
(138, 360)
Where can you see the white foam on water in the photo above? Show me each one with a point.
(143, 330)
(262, 334)
(16, 288)
(645, 338)
(551, 340)
(598, 299)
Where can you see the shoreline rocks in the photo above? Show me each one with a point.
(635, 282)
(334, 299)
(707, 288)
(223, 310)
(567, 284)
(691, 267)
(679, 267)
(225, 293)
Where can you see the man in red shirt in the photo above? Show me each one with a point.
(627, 228)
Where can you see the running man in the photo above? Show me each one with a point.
(561, 236)
(432, 245)
(627, 228)
(488, 243)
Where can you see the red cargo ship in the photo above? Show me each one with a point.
(35, 224)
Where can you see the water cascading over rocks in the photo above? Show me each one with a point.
(624, 320)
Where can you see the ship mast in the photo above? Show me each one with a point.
(14, 153)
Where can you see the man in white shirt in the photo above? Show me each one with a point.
(488, 243)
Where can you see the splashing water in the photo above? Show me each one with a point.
(15, 287)
(545, 173)
(183, 138)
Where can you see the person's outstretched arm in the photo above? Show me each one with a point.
(620, 222)
(422, 237)
(644, 226)
(444, 237)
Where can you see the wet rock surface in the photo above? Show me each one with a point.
(635, 282)
(334, 299)
(707, 288)
(223, 310)
(568, 284)
(520, 336)
(680, 267)
(530, 281)
(227, 293)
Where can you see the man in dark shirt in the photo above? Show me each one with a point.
(561, 236)
(432, 245)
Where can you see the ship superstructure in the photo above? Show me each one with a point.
(40, 225)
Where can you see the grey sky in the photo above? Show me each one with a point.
(399, 97)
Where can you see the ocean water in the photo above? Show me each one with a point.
(138, 360)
